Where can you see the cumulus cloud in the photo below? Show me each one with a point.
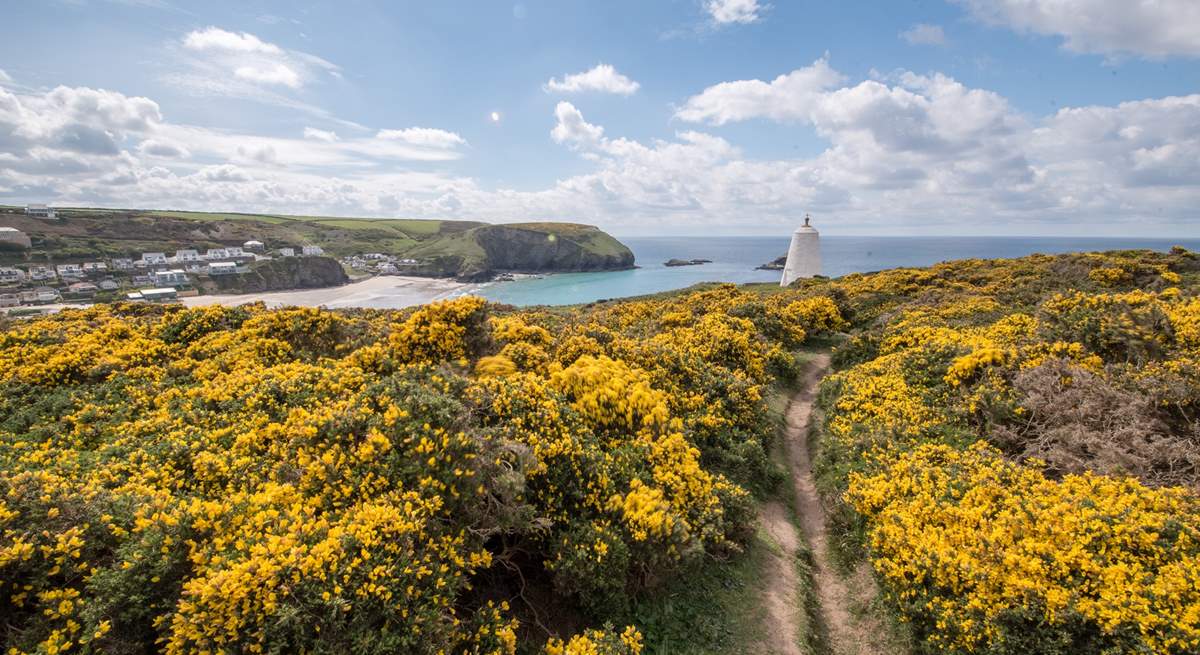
(603, 79)
(73, 119)
(163, 149)
(572, 129)
(928, 145)
(423, 136)
(320, 135)
(924, 34)
(907, 149)
(246, 57)
(1152, 28)
(787, 97)
(724, 12)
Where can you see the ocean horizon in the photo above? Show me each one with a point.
(734, 259)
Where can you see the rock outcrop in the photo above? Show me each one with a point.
(280, 274)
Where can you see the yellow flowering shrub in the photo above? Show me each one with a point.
(598, 642)
(302, 480)
(985, 555)
(1075, 530)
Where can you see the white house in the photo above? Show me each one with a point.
(10, 299)
(14, 236)
(222, 268)
(235, 251)
(11, 275)
(108, 285)
(40, 211)
(94, 267)
(216, 254)
(153, 258)
(254, 246)
(122, 264)
(287, 252)
(38, 273)
(69, 270)
(157, 295)
(183, 256)
(40, 295)
(169, 278)
(312, 251)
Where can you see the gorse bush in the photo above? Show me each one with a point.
(1017, 445)
(300, 480)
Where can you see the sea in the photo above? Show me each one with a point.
(734, 259)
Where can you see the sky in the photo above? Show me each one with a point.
(646, 117)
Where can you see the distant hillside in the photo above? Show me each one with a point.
(462, 249)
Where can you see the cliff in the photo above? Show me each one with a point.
(481, 252)
(281, 274)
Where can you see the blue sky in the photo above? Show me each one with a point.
(667, 117)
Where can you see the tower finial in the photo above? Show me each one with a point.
(806, 219)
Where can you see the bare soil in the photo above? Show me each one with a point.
(847, 602)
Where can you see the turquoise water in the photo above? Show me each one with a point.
(734, 259)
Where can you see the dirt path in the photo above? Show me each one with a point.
(845, 602)
(781, 602)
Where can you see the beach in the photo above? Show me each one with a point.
(381, 292)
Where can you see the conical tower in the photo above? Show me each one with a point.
(804, 255)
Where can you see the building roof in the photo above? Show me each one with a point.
(9, 229)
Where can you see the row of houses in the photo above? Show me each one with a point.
(214, 261)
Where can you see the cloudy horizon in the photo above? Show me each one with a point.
(686, 117)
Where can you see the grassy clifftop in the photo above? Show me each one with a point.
(466, 249)
(529, 247)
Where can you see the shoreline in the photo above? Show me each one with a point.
(378, 292)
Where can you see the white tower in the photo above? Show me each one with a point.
(804, 255)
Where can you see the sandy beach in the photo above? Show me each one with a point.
(381, 292)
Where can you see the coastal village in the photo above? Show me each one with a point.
(152, 276)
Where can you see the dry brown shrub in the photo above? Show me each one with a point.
(1076, 421)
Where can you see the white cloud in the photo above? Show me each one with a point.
(220, 53)
(572, 129)
(4, 77)
(724, 12)
(902, 151)
(270, 74)
(787, 97)
(73, 119)
(423, 136)
(215, 38)
(924, 34)
(1152, 28)
(161, 148)
(320, 135)
(603, 78)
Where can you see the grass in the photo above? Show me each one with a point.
(210, 216)
(713, 610)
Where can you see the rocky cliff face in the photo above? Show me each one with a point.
(282, 274)
(480, 253)
(529, 251)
